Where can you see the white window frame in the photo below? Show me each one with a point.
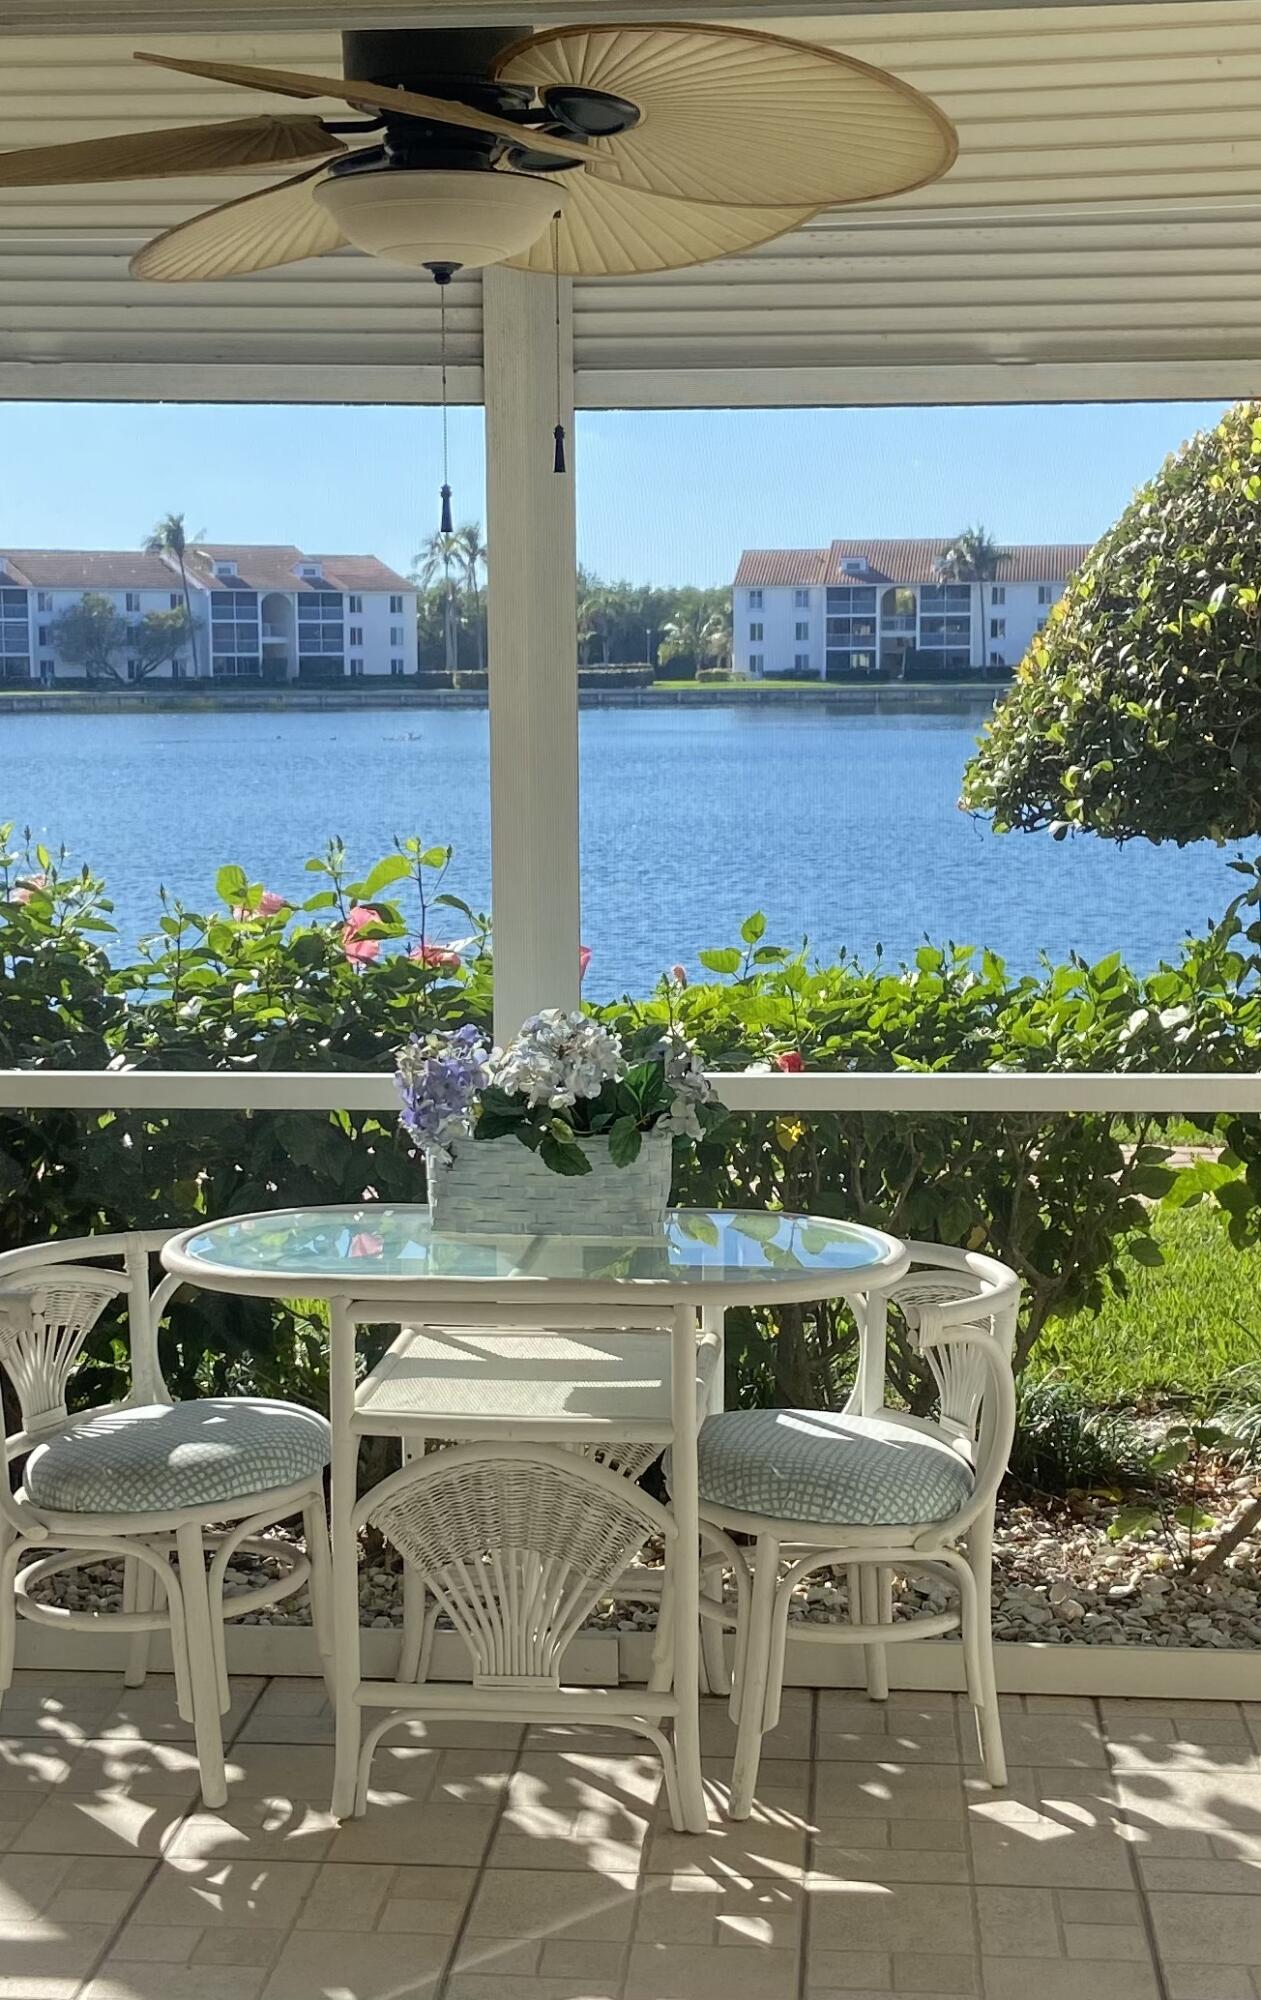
(757, 632)
(998, 628)
(755, 600)
(998, 593)
(803, 628)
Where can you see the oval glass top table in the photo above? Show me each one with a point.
(738, 1255)
(375, 1262)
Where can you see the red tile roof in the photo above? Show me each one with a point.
(88, 569)
(269, 566)
(784, 566)
(274, 566)
(361, 573)
(904, 562)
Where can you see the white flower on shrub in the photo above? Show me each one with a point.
(685, 1074)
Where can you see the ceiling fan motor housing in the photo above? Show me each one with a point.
(454, 63)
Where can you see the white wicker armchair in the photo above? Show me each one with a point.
(143, 1480)
(873, 1490)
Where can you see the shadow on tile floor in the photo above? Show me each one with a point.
(1122, 1861)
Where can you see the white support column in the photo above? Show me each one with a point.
(533, 649)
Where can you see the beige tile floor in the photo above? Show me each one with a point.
(1123, 1862)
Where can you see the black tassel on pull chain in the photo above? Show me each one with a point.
(442, 276)
(558, 434)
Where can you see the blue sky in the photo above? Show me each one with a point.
(663, 496)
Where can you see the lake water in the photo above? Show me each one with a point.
(839, 826)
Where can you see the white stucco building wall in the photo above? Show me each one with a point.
(875, 610)
(268, 613)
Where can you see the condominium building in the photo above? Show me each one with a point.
(265, 612)
(858, 611)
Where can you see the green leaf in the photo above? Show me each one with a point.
(1131, 1521)
(568, 1159)
(1153, 1182)
(725, 960)
(1145, 1250)
(763, 1228)
(232, 886)
(393, 868)
(700, 1228)
(753, 929)
(1171, 1456)
(1193, 1519)
(624, 1142)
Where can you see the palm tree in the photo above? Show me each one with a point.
(442, 553)
(716, 639)
(597, 608)
(686, 636)
(973, 557)
(473, 555)
(169, 539)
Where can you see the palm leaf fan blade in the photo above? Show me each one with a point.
(279, 225)
(606, 231)
(236, 145)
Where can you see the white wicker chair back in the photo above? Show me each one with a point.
(516, 1543)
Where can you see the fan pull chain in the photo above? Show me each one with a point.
(442, 279)
(558, 434)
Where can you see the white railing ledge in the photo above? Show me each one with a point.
(1189, 1093)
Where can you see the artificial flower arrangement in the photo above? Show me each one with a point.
(564, 1080)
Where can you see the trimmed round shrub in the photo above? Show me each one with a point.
(1137, 713)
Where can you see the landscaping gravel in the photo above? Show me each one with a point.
(1058, 1580)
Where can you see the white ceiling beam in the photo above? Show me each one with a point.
(51, 17)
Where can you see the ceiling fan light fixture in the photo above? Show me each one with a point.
(424, 216)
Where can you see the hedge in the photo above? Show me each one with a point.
(245, 986)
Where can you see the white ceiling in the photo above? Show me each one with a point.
(1100, 234)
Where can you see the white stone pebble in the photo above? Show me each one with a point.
(1058, 1579)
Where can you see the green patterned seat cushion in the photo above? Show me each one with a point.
(160, 1457)
(819, 1466)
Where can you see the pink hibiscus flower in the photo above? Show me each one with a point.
(790, 1061)
(436, 956)
(25, 890)
(270, 904)
(360, 950)
(584, 960)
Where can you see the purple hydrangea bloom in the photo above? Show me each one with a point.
(438, 1081)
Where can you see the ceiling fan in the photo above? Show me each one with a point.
(584, 151)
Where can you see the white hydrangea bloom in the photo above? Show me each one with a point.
(558, 1058)
(685, 1074)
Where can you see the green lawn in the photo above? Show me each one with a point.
(1182, 1326)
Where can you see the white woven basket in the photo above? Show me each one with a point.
(498, 1187)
